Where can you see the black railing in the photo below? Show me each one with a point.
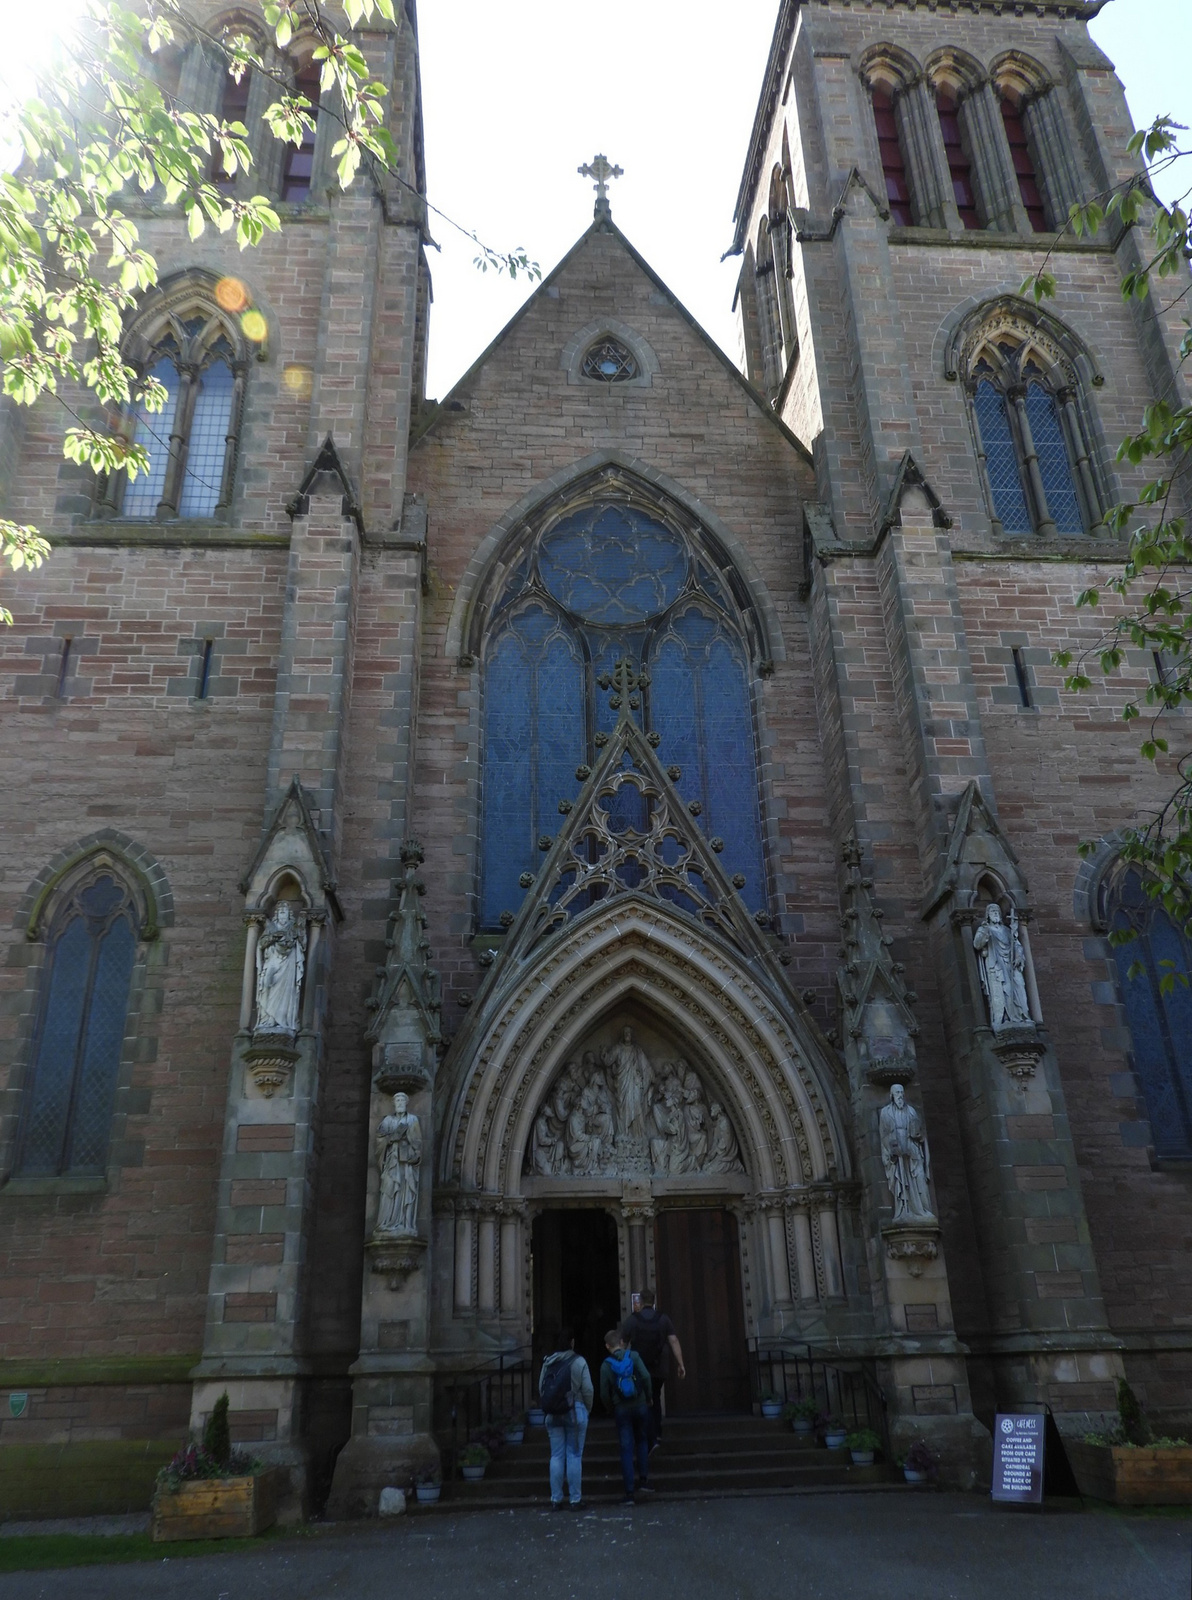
(468, 1404)
(840, 1389)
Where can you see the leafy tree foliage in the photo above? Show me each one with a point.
(1155, 581)
(103, 127)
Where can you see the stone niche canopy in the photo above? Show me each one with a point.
(629, 1102)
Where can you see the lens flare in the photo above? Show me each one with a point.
(231, 295)
(255, 327)
(298, 380)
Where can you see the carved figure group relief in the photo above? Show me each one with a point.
(399, 1158)
(281, 960)
(617, 1113)
(1002, 961)
(905, 1157)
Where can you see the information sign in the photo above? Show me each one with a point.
(1018, 1457)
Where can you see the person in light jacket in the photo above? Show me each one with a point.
(567, 1431)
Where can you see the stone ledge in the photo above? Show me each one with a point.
(70, 1372)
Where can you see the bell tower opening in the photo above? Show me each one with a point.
(576, 1282)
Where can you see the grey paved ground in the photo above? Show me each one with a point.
(838, 1547)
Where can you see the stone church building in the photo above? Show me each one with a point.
(616, 826)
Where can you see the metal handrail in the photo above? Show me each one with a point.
(467, 1402)
(838, 1388)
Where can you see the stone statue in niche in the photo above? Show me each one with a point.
(1002, 961)
(399, 1157)
(281, 959)
(905, 1157)
(621, 1115)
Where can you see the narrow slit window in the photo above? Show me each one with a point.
(300, 159)
(1024, 684)
(63, 670)
(898, 189)
(205, 670)
(233, 108)
(1024, 166)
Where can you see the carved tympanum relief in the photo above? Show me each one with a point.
(616, 1113)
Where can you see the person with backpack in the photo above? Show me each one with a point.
(652, 1334)
(626, 1392)
(565, 1395)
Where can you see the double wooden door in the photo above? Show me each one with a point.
(697, 1260)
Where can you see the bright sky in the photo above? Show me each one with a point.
(516, 96)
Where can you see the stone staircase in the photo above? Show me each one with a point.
(704, 1456)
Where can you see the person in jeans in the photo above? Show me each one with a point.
(652, 1334)
(566, 1431)
(626, 1392)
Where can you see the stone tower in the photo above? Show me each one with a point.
(907, 169)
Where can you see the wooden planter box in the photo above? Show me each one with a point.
(218, 1508)
(1141, 1476)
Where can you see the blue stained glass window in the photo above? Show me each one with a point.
(699, 703)
(1054, 466)
(611, 564)
(1160, 1024)
(1001, 459)
(207, 443)
(81, 1034)
(153, 432)
(621, 576)
(535, 736)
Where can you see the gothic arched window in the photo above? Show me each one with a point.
(196, 352)
(78, 1042)
(1158, 1004)
(1031, 429)
(598, 583)
(898, 189)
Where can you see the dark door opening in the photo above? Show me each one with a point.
(699, 1287)
(576, 1283)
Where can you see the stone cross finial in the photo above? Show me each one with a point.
(627, 683)
(602, 170)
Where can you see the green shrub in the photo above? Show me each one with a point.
(217, 1436)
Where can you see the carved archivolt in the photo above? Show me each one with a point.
(769, 1079)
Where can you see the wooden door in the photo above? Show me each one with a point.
(699, 1287)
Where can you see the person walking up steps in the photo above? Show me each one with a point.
(565, 1394)
(652, 1334)
(626, 1392)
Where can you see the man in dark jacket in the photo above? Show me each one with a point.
(626, 1392)
(652, 1334)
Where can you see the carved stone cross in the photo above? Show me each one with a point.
(627, 682)
(602, 170)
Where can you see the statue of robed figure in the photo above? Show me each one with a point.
(399, 1157)
(281, 958)
(1003, 964)
(905, 1157)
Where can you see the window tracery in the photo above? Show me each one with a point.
(602, 582)
(195, 350)
(609, 361)
(1031, 431)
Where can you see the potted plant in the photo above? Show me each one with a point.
(834, 1433)
(919, 1463)
(428, 1486)
(861, 1445)
(537, 1417)
(473, 1460)
(771, 1405)
(1128, 1465)
(492, 1438)
(514, 1428)
(801, 1415)
(210, 1491)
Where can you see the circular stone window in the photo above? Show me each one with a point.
(608, 361)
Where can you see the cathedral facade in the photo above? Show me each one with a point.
(617, 826)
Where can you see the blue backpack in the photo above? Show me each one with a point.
(622, 1367)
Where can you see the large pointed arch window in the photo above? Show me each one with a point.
(1032, 429)
(600, 583)
(1154, 973)
(79, 1038)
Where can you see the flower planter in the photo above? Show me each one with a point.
(473, 1474)
(912, 1476)
(771, 1409)
(803, 1425)
(514, 1435)
(1128, 1475)
(834, 1439)
(428, 1493)
(537, 1418)
(862, 1458)
(218, 1508)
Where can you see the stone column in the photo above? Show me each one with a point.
(996, 182)
(926, 159)
(637, 1209)
(1052, 153)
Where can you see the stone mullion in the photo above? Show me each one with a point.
(926, 159)
(998, 194)
(1044, 522)
(1051, 151)
(1078, 446)
(171, 490)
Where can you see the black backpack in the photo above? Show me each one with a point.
(556, 1386)
(648, 1340)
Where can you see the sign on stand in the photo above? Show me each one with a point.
(1018, 1457)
